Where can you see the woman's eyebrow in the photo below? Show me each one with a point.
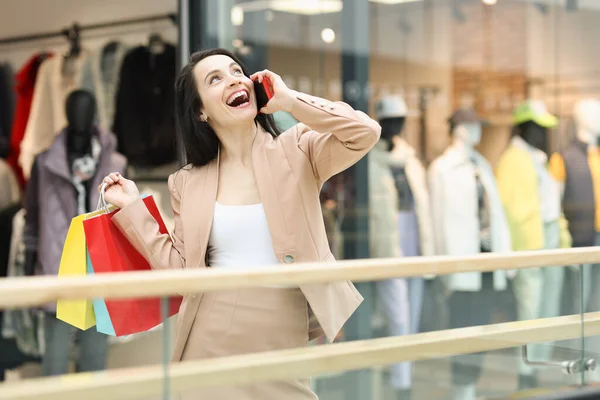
(216, 70)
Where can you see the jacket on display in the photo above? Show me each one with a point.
(144, 115)
(7, 107)
(576, 167)
(384, 237)
(23, 325)
(101, 72)
(51, 199)
(10, 192)
(519, 187)
(305, 158)
(25, 84)
(48, 116)
(12, 357)
(406, 155)
(454, 210)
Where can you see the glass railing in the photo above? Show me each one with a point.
(486, 342)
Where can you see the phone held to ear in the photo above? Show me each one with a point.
(263, 93)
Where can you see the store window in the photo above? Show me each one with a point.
(472, 84)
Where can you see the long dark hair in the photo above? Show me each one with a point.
(197, 140)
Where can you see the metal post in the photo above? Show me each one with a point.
(255, 33)
(355, 226)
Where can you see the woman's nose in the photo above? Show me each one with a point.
(234, 80)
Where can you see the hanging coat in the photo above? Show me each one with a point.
(24, 87)
(101, 74)
(7, 105)
(144, 115)
(48, 116)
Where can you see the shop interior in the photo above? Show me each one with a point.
(438, 55)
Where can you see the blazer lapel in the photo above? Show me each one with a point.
(203, 184)
(269, 196)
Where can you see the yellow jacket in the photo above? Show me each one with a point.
(519, 192)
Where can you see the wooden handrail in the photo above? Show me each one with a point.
(228, 371)
(23, 292)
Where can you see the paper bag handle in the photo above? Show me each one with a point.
(102, 204)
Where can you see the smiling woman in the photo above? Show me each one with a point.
(200, 87)
(249, 197)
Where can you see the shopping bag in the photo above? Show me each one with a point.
(110, 251)
(79, 313)
(103, 322)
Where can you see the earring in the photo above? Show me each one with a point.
(203, 118)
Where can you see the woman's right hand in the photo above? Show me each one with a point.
(120, 192)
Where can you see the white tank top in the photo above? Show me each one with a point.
(240, 238)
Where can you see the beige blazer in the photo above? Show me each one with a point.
(289, 171)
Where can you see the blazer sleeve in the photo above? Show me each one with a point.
(333, 135)
(139, 226)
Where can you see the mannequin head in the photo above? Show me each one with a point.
(535, 135)
(80, 111)
(532, 123)
(465, 126)
(391, 113)
(587, 120)
(391, 127)
(469, 134)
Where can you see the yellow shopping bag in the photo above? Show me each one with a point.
(73, 262)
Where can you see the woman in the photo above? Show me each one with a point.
(249, 197)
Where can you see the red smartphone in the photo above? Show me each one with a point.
(263, 93)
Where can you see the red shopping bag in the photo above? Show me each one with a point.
(110, 251)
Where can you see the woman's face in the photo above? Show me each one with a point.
(227, 94)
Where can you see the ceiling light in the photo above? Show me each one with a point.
(489, 2)
(304, 7)
(237, 16)
(394, 1)
(328, 35)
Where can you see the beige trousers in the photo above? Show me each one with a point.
(250, 321)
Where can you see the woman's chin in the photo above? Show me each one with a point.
(247, 113)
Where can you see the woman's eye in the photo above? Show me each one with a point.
(238, 71)
(213, 79)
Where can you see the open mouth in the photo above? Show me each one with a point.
(239, 99)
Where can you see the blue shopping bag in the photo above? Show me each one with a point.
(103, 321)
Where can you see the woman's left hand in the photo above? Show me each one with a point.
(283, 97)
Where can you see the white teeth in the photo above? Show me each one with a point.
(235, 96)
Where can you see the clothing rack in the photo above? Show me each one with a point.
(80, 28)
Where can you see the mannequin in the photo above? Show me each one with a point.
(385, 243)
(577, 169)
(467, 219)
(62, 185)
(531, 199)
(80, 109)
(414, 216)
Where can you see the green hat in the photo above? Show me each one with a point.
(534, 110)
